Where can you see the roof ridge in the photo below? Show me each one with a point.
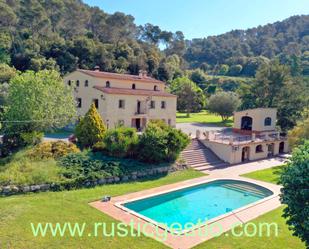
(124, 75)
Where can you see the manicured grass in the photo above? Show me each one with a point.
(271, 175)
(202, 117)
(285, 239)
(17, 212)
(72, 206)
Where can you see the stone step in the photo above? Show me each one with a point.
(204, 159)
(242, 188)
(199, 157)
(195, 162)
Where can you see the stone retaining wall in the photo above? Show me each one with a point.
(13, 189)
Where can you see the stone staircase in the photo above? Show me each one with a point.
(199, 157)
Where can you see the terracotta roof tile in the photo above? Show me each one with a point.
(136, 78)
(124, 91)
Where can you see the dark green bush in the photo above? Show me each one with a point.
(99, 147)
(120, 142)
(86, 166)
(161, 143)
(13, 142)
(176, 142)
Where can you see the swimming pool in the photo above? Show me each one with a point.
(198, 203)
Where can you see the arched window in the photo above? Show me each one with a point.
(77, 83)
(267, 121)
(86, 83)
(155, 88)
(246, 123)
(133, 86)
(108, 84)
(259, 148)
(69, 83)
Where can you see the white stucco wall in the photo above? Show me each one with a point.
(109, 103)
(258, 117)
(233, 153)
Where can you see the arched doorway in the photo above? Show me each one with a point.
(245, 154)
(281, 148)
(270, 149)
(246, 123)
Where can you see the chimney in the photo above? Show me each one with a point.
(97, 69)
(142, 73)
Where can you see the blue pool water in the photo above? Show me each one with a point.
(201, 202)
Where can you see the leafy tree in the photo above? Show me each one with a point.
(294, 180)
(38, 102)
(235, 70)
(90, 129)
(6, 73)
(254, 64)
(299, 133)
(274, 87)
(190, 97)
(223, 69)
(223, 104)
(305, 63)
(199, 77)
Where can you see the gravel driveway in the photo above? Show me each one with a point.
(192, 127)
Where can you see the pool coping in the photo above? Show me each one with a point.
(208, 222)
(241, 215)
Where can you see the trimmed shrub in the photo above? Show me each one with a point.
(90, 129)
(176, 142)
(161, 143)
(120, 142)
(55, 150)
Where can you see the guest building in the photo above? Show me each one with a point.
(253, 137)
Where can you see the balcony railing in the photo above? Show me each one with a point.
(140, 111)
(236, 139)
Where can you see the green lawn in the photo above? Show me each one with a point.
(17, 212)
(202, 117)
(285, 239)
(271, 175)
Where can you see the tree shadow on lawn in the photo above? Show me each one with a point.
(278, 172)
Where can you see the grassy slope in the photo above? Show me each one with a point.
(283, 240)
(202, 117)
(71, 206)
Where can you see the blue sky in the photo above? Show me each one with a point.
(200, 18)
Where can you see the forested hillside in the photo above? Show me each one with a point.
(288, 40)
(66, 34)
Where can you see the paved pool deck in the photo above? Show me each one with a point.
(221, 224)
